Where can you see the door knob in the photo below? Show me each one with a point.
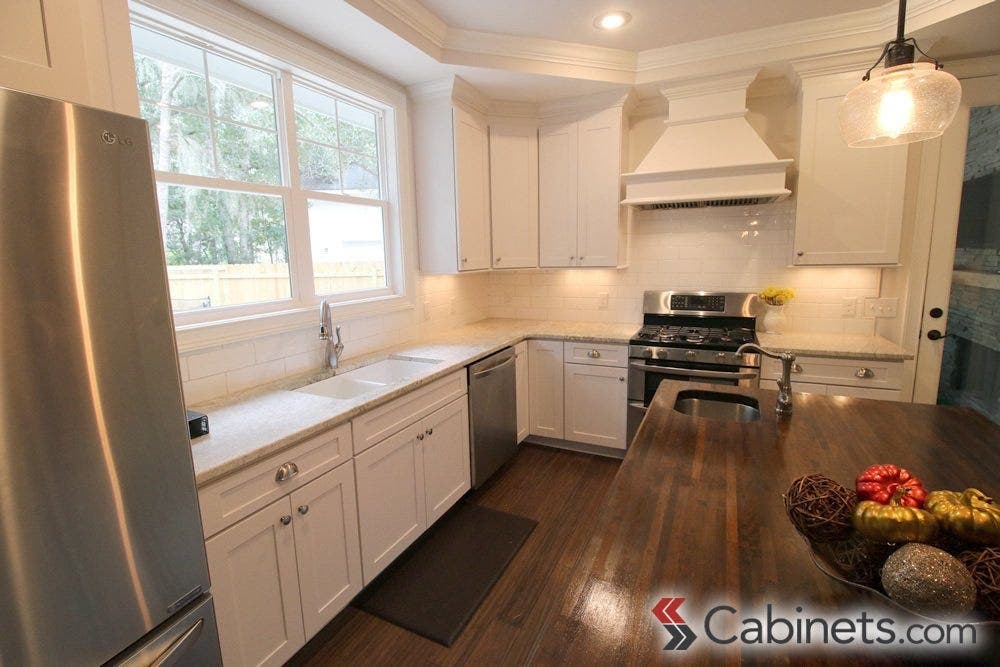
(936, 313)
(934, 334)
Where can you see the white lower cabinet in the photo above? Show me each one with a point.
(859, 378)
(256, 588)
(545, 370)
(407, 481)
(595, 405)
(521, 389)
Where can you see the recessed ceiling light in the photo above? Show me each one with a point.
(612, 20)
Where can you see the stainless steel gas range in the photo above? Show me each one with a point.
(690, 337)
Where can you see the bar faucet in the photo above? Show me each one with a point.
(333, 350)
(784, 404)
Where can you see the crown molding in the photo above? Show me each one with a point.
(453, 88)
(503, 110)
(410, 20)
(569, 106)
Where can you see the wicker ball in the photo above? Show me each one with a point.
(984, 566)
(928, 581)
(858, 559)
(820, 508)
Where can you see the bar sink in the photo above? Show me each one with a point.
(717, 405)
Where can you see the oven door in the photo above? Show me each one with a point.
(645, 376)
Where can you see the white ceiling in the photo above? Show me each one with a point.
(654, 24)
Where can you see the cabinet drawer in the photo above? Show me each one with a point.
(843, 372)
(380, 423)
(865, 392)
(228, 500)
(599, 355)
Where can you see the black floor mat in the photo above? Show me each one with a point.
(435, 587)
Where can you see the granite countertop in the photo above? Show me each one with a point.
(850, 346)
(253, 425)
(696, 511)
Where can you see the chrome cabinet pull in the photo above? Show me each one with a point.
(303, 509)
(594, 354)
(864, 374)
(429, 431)
(420, 436)
(285, 520)
(796, 368)
(286, 472)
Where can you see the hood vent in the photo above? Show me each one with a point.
(709, 155)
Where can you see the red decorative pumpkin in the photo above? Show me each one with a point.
(880, 482)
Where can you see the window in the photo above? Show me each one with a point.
(258, 170)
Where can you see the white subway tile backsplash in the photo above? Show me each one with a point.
(220, 359)
(251, 376)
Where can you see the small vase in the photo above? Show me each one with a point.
(775, 320)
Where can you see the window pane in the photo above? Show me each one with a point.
(348, 247)
(315, 116)
(180, 141)
(247, 154)
(169, 71)
(241, 93)
(223, 248)
(360, 174)
(357, 129)
(319, 167)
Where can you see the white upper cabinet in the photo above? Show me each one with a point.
(849, 201)
(580, 220)
(71, 50)
(452, 165)
(514, 195)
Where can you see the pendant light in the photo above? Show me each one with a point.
(903, 103)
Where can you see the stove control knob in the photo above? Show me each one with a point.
(721, 356)
(691, 354)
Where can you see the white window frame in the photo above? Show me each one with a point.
(217, 31)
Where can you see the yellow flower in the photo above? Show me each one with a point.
(777, 296)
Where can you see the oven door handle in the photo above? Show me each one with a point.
(694, 372)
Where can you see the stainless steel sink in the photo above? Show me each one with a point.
(717, 405)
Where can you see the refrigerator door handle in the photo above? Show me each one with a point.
(175, 652)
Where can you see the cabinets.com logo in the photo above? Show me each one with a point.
(723, 625)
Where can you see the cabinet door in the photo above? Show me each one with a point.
(545, 373)
(445, 445)
(595, 405)
(599, 188)
(521, 378)
(849, 206)
(256, 588)
(472, 191)
(514, 195)
(557, 195)
(391, 509)
(327, 548)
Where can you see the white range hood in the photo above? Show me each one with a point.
(708, 155)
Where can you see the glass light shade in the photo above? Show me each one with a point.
(900, 105)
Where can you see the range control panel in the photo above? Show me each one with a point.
(703, 302)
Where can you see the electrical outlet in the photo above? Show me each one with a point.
(849, 307)
(602, 300)
(887, 307)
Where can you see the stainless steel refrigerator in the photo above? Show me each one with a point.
(102, 556)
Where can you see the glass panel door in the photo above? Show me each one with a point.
(970, 368)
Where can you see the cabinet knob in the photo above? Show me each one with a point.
(864, 373)
(800, 253)
(581, 258)
(465, 260)
(796, 368)
(621, 378)
(429, 431)
(420, 436)
(499, 259)
(303, 509)
(594, 354)
(286, 472)
(285, 520)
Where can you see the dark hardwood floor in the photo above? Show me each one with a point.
(563, 491)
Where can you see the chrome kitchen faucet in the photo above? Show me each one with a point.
(333, 350)
(784, 404)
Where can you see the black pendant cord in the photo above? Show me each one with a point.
(900, 51)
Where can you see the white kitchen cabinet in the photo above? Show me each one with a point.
(521, 388)
(514, 195)
(327, 546)
(451, 160)
(595, 405)
(256, 588)
(580, 219)
(73, 50)
(391, 509)
(849, 201)
(862, 378)
(445, 444)
(545, 373)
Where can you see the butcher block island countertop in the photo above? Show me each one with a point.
(696, 512)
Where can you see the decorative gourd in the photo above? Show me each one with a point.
(894, 522)
(879, 482)
(970, 515)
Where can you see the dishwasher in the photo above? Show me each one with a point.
(492, 414)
